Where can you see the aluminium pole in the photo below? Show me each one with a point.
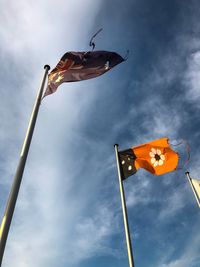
(8, 214)
(125, 216)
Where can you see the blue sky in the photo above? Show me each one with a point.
(69, 211)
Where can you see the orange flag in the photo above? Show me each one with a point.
(156, 157)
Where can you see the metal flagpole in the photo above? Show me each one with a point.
(125, 216)
(8, 214)
(193, 189)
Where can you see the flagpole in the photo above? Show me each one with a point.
(8, 214)
(193, 189)
(125, 216)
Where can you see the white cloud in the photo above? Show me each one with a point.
(173, 204)
(32, 34)
(43, 27)
(92, 234)
(192, 77)
(139, 194)
(51, 220)
(190, 255)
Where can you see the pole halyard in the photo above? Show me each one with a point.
(8, 214)
(124, 210)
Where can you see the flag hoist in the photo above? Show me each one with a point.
(8, 214)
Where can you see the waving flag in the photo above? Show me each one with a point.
(78, 66)
(156, 157)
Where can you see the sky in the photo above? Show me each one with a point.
(68, 211)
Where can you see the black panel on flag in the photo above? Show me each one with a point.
(127, 163)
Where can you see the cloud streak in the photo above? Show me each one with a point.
(68, 211)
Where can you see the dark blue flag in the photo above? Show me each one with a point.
(78, 66)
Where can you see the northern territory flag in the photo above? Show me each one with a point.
(78, 66)
(156, 157)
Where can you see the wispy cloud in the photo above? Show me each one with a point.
(28, 34)
(190, 254)
(69, 205)
(175, 202)
(192, 78)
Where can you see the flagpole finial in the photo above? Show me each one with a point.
(187, 172)
(116, 145)
(47, 67)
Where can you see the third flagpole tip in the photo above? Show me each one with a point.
(47, 67)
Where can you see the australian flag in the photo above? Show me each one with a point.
(78, 66)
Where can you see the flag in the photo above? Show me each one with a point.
(78, 66)
(156, 157)
(196, 187)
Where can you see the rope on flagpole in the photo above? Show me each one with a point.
(187, 150)
(91, 40)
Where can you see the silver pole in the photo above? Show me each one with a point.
(193, 189)
(8, 214)
(125, 216)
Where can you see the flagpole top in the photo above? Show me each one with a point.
(47, 67)
(116, 145)
(187, 173)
